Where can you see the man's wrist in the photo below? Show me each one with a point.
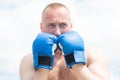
(41, 74)
(78, 66)
(44, 71)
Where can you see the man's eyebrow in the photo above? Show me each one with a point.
(63, 23)
(51, 24)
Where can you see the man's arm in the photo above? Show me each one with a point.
(41, 74)
(26, 70)
(96, 68)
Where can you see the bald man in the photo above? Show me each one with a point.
(56, 20)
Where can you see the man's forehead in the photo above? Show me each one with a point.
(58, 9)
(56, 12)
(54, 6)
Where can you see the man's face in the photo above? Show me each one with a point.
(56, 21)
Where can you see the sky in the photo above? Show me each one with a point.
(97, 21)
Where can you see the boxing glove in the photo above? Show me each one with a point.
(43, 50)
(72, 46)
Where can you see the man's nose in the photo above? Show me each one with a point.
(57, 31)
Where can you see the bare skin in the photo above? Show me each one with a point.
(57, 21)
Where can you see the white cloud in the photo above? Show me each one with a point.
(98, 20)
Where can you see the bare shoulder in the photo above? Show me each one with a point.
(27, 58)
(96, 57)
(26, 67)
(97, 62)
(26, 61)
(95, 54)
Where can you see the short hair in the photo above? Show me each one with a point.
(54, 5)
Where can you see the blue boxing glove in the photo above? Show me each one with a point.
(72, 47)
(43, 50)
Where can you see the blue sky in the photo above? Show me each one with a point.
(97, 21)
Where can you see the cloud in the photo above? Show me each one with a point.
(7, 4)
(98, 20)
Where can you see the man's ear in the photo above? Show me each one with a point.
(71, 25)
(41, 26)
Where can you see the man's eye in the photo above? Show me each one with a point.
(51, 25)
(63, 25)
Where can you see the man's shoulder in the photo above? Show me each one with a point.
(26, 69)
(27, 58)
(93, 51)
(94, 54)
(29, 55)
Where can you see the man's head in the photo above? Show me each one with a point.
(56, 19)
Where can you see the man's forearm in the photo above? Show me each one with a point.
(41, 74)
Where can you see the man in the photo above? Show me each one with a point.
(57, 26)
